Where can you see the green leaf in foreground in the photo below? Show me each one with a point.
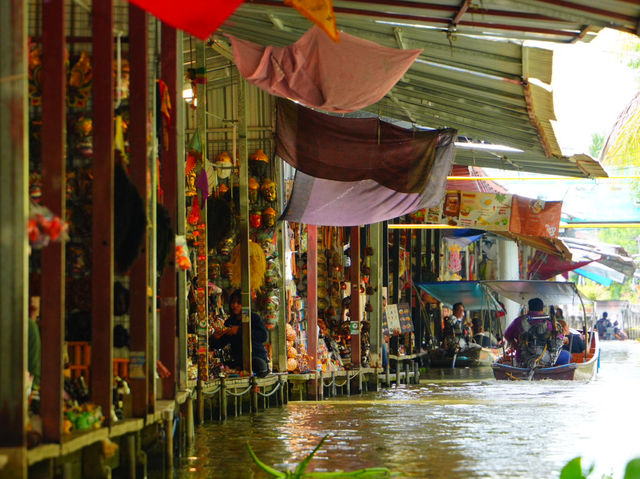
(633, 469)
(368, 473)
(573, 470)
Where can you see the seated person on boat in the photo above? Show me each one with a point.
(482, 337)
(603, 325)
(572, 340)
(456, 333)
(536, 338)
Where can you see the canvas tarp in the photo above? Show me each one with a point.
(336, 77)
(353, 171)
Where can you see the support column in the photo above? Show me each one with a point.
(172, 184)
(102, 271)
(52, 306)
(139, 172)
(13, 234)
(376, 282)
(243, 149)
(312, 294)
(508, 268)
(355, 309)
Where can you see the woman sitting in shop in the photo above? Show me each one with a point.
(232, 335)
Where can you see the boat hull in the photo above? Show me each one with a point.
(508, 372)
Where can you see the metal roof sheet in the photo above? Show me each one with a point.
(485, 82)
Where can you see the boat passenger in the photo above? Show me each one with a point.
(456, 333)
(603, 326)
(482, 337)
(572, 340)
(535, 338)
(617, 332)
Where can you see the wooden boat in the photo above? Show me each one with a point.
(583, 366)
(475, 298)
(467, 358)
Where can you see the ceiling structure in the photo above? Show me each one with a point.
(476, 72)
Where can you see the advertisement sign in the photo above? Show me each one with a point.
(472, 209)
(535, 217)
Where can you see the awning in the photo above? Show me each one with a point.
(551, 292)
(552, 246)
(470, 293)
(545, 266)
(612, 256)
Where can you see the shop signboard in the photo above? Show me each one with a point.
(535, 217)
(472, 209)
(393, 320)
(404, 318)
(355, 327)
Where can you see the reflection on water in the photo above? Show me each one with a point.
(455, 424)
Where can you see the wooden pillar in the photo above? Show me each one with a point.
(416, 313)
(103, 164)
(13, 234)
(376, 282)
(243, 160)
(312, 294)
(170, 182)
(356, 313)
(395, 257)
(52, 305)
(139, 172)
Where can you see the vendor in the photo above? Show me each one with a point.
(232, 335)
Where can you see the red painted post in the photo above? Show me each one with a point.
(52, 306)
(139, 171)
(103, 164)
(168, 174)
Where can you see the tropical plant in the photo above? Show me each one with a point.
(573, 470)
(299, 473)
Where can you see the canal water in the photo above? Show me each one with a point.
(454, 424)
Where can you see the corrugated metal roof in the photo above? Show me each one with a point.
(482, 80)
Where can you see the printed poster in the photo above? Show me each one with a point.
(535, 217)
(471, 209)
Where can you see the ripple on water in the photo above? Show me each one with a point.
(464, 426)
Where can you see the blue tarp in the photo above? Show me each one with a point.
(470, 293)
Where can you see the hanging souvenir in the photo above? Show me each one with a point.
(254, 186)
(255, 219)
(259, 164)
(194, 214)
(224, 165)
(226, 246)
(268, 190)
(268, 217)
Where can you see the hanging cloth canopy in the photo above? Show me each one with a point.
(354, 171)
(336, 77)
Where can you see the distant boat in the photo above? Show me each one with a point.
(476, 300)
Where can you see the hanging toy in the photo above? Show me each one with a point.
(268, 217)
(224, 165)
(259, 164)
(254, 186)
(268, 190)
(194, 214)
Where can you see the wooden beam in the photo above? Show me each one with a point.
(139, 171)
(376, 282)
(170, 181)
(355, 309)
(53, 197)
(460, 13)
(103, 165)
(14, 159)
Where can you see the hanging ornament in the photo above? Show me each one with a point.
(254, 186)
(194, 214)
(224, 165)
(259, 163)
(268, 217)
(268, 190)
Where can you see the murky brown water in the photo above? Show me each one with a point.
(463, 425)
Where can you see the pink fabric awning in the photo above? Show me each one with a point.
(337, 77)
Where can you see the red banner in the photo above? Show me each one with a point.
(200, 18)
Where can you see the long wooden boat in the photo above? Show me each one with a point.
(468, 358)
(583, 367)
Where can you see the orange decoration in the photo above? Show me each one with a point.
(319, 12)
